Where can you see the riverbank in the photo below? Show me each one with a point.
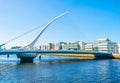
(116, 56)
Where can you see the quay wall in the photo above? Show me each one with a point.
(116, 56)
(88, 56)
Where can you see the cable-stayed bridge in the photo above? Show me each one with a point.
(26, 54)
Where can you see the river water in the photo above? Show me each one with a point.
(59, 70)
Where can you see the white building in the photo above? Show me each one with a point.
(82, 46)
(43, 47)
(107, 46)
(71, 46)
(119, 48)
(89, 47)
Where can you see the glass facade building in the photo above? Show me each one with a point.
(107, 46)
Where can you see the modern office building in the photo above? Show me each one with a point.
(82, 46)
(118, 48)
(89, 46)
(43, 47)
(106, 45)
(60, 45)
(55, 47)
(50, 46)
(71, 46)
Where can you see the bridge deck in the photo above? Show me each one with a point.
(97, 55)
(48, 52)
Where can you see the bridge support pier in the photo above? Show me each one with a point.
(39, 57)
(26, 57)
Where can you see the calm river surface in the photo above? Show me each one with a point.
(59, 70)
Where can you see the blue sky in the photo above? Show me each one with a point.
(87, 20)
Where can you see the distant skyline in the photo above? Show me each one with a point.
(87, 20)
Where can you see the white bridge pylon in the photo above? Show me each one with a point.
(30, 46)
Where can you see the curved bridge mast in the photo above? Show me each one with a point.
(30, 46)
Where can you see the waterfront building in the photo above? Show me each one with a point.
(71, 46)
(50, 46)
(119, 48)
(43, 47)
(60, 45)
(89, 46)
(36, 47)
(82, 46)
(55, 47)
(106, 45)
